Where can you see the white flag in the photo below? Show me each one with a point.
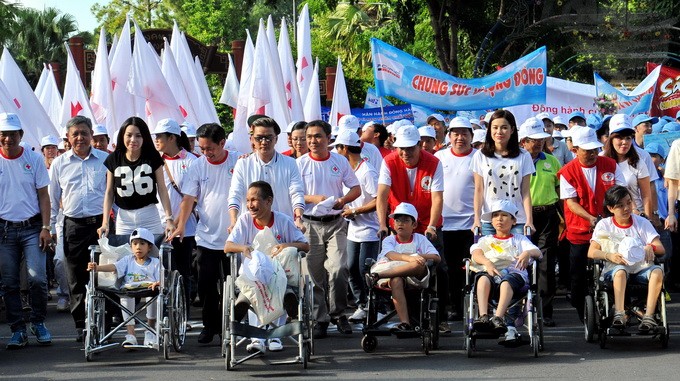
(33, 118)
(41, 81)
(340, 104)
(75, 101)
(241, 138)
(288, 72)
(112, 51)
(120, 73)
(172, 76)
(101, 92)
(209, 111)
(313, 102)
(229, 95)
(50, 98)
(278, 109)
(304, 56)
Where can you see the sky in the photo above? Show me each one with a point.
(80, 9)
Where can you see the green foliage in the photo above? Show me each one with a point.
(147, 13)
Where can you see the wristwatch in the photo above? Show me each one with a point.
(47, 227)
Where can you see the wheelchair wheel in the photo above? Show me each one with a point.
(369, 343)
(166, 345)
(589, 319)
(434, 324)
(308, 312)
(603, 339)
(539, 309)
(469, 346)
(665, 336)
(227, 357)
(177, 313)
(94, 323)
(227, 290)
(305, 355)
(427, 342)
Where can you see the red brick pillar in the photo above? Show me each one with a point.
(237, 49)
(78, 51)
(330, 83)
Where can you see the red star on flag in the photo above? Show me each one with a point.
(113, 84)
(16, 102)
(75, 109)
(183, 111)
(147, 109)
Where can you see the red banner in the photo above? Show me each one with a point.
(667, 96)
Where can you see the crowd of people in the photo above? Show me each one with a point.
(344, 194)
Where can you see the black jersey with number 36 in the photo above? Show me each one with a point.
(134, 181)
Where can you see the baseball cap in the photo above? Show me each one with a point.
(532, 128)
(594, 121)
(559, 120)
(439, 117)
(289, 129)
(461, 122)
(656, 127)
(167, 126)
(576, 114)
(348, 138)
(671, 127)
(557, 134)
(656, 148)
(189, 129)
(585, 138)
(544, 115)
(98, 130)
(367, 125)
(49, 140)
(642, 118)
(501, 206)
(9, 122)
(144, 234)
(61, 145)
(473, 121)
(427, 131)
(406, 209)
(619, 122)
(478, 136)
(487, 117)
(349, 122)
(407, 136)
(254, 117)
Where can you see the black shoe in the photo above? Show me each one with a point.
(498, 325)
(320, 330)
(206, 336)
(402, 327)
(290, 304)
(80, 334)
(343, 325)
(548, 322)
(482, 324)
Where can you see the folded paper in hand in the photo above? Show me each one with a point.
(324, 207)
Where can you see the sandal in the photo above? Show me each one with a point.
(402, 327)
(619, 320)
(647, 324)
(372, 279)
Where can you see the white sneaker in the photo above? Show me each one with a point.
(149, 339)
(63, 305)
(275, 345)
(358, 316)
(130, 340)
(256, 345)
(511, 334)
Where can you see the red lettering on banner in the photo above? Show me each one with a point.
(625, 104)
(531, 76)
(669, 87)
(429, 85)
(459, 90)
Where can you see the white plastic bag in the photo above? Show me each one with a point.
(288, 258)
(110, 255)
(265, 298)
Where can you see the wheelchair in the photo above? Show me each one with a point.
(599, 308)
(531, 318)
(423, 312)
(298, 331)
(171, 323)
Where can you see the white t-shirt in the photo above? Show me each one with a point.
(364, 227)
(372, 154)
(179, 166)
(20, 179)
(641, 228)
(590, 173)
(385, 177)
(209, 183)
(631, 176)
(326, 177)
(502, 179)
(459, 190)
(673, 162)
(282, 227)
(419, 244)
(136, 275)
(646, 158)
(522, 243)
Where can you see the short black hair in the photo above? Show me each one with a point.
(382, 132)
(212, 131)
(264, 188)
(320, 123)
(352, 149)
(266, 122)
(613, 196)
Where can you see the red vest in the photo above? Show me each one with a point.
(420, 197)
(578, 229)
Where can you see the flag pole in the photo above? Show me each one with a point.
(382, 111)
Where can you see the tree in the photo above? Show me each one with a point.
(147, 13)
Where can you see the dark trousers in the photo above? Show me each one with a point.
(181, 258)
(578, 256)
(212, 265)
(442, 276)
(78, 236)
(457, 244)
(546, 222)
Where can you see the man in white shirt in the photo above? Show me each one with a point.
(25, 228)
(78, 183)
(265, 164)
(324, 174)
(207, 184)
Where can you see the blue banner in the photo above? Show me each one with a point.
(391, 114)
(637, 101)
(373, 101)
(401, 75)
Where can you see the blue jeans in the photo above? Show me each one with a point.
(357, 252)
(488, 229)
(17, 243)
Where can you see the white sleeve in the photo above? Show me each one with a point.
(237, 189)
(651, 169)
(526, 245)
(388, 244)
(238, 233)
(425, 246)
(370, 182)
(55, 191)
(349, 179)
(191, 186)
(385, 177)
(566, 190)
(476, 162)
(293, 234)
(42, 178)
(438, 180)
(527, 164)
(647, 230)
(297, 188)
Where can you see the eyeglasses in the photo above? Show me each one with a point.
(262, 139)
(298, 139)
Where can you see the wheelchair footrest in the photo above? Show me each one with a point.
(376, 332)
(617, 332)
(406, 334)
(246, 330)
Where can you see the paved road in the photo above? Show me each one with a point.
(567, 356)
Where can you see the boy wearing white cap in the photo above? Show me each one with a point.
(25, 231)
(583, 183)
(49, 148)
(554, 146)
(100, 138)
(402, 261)
(428, 139)
(439, 123)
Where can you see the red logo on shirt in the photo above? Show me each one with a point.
(27, 167)
(426, 183)
(335, 169)
(608, 178)
(278, 237)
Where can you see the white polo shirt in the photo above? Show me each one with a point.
(364, 227)
(459, 190)
(326, 177)
(372, 154)
(281, 225)
(179, 167)
(209, 183)
(20, 179)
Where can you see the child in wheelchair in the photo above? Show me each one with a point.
(139, 270)
(501, 261)
(402, 262)
(628, 244)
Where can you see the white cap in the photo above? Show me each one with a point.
(289, 129)
(144, 234)
(427, 131)
(631, 249)
(502, 205)
(167, 126)
(98, 130)
(557, 134)
(347, 138)
(64, 133)
(460, 122)
(49, 140)
(532, 128)
(9, 122)
(407, 136)
(544, 115)
(585, 138)
(620, 122)
(475, 121)
(406, 209)
(558, 120)
(349, 122)
(487, 117)
(367, 125)
(478, 136)
(189, 129)
(439, 117)
(61, 145)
